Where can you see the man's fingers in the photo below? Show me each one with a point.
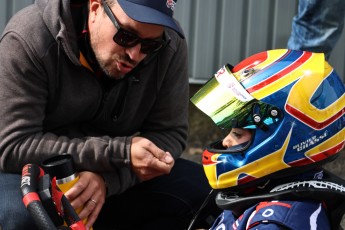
(167, 158)
(160, 154)
(164, 157)
(148, 160)
(161, 166)
(76, 190)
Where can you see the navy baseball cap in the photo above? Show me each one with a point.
(158, 12)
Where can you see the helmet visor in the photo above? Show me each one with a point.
(229, 105)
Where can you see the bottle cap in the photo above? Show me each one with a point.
(60, 166)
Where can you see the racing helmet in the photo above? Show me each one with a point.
(294, 104)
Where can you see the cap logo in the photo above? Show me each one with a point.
(171, 4)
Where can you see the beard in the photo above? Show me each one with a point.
(107, 63)
(106, 60)
(109, 67)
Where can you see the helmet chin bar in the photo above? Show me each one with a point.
(217, 146)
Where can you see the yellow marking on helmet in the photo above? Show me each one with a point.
(292, 76)
(272, 56)
(211, 171)
(303, 91)
(266, 165)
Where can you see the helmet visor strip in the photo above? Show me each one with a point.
(229, 105)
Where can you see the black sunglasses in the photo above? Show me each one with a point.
(128, 39)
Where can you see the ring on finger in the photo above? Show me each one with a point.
(93, 201)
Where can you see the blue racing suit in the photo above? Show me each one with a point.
(276, 215)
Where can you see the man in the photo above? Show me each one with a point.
(105, 81)
(317, 26)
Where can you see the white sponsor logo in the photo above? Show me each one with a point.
(310, 142)
(25, 181)
(171, 4)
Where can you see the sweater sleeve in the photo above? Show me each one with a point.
(167, 123)
(23, 100)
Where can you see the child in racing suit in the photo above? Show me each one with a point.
(284, 116)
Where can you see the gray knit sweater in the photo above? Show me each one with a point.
(51, 104)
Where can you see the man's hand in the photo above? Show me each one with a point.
(89, 192)
(149, 161)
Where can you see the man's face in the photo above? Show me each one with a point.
(116, 60)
